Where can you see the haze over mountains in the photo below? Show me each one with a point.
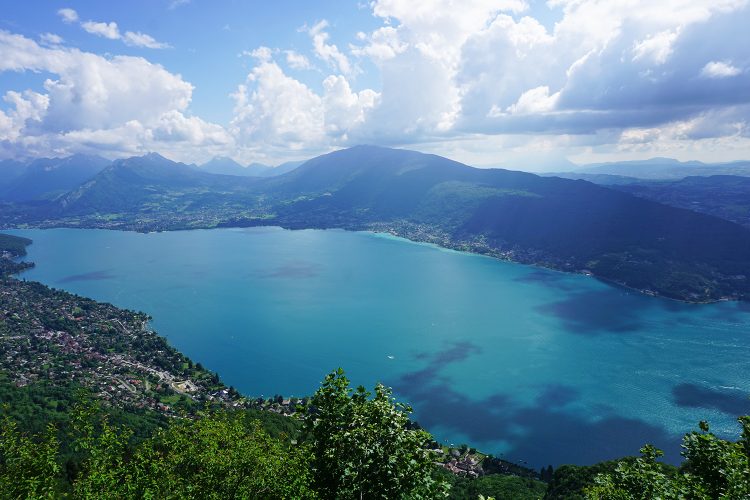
(227, 166)
(560, 223)
(49, 178)
(46, 177)
(652, 169)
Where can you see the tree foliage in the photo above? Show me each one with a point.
(29, 467)
(714, 468)
(364, 447)
(357, 446)
(218, 455)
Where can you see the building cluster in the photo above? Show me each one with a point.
(56, 337)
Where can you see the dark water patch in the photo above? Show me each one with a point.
(557, 396)
(453, 353)
(562, 437)
(597, 311)
(92, 276)
(538, 433)
(296, 270)
(731, 401)
(458, 351)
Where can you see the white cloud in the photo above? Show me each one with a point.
(28, 106)
(261, 53)
(328, 52)
(51, 39)
(296, 60)
(536, 100)
(68, 15)
(383, 44)
(91, 99)
(139, 39)
(719, 69)
(656, 48)
(345, 110)
(106, 30)
(112, 32)
(276, 110)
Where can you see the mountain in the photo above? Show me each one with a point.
(602, 179)
(47, 178)
(224, 166)
(559, 223)
(725, 196)
(283, 168)
(227, 166)
(149, 183)
(259, 170)
(9, 171)
(655, 169)
(556, 222)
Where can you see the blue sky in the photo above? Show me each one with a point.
(528, 84)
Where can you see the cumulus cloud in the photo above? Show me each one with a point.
(344, 109)
(536, 100)
(275, 111)
(68, 15)
(296, 60)
(328, 52)
(91, 99)
(656, 47)
(719, 69)
(106, 30)
(382, 44)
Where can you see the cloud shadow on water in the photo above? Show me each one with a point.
(731, 401)
(540, 433)
(596, 311)
(92, 276)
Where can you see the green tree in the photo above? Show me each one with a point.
(220, 456)
(714, 468)
(28, 467)
(104, 447)
(363, 447)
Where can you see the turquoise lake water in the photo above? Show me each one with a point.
(533, 365)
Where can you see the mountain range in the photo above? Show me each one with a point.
(565, 224)
(46, 178)
(653, 169)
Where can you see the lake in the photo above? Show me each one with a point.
(532, 365)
